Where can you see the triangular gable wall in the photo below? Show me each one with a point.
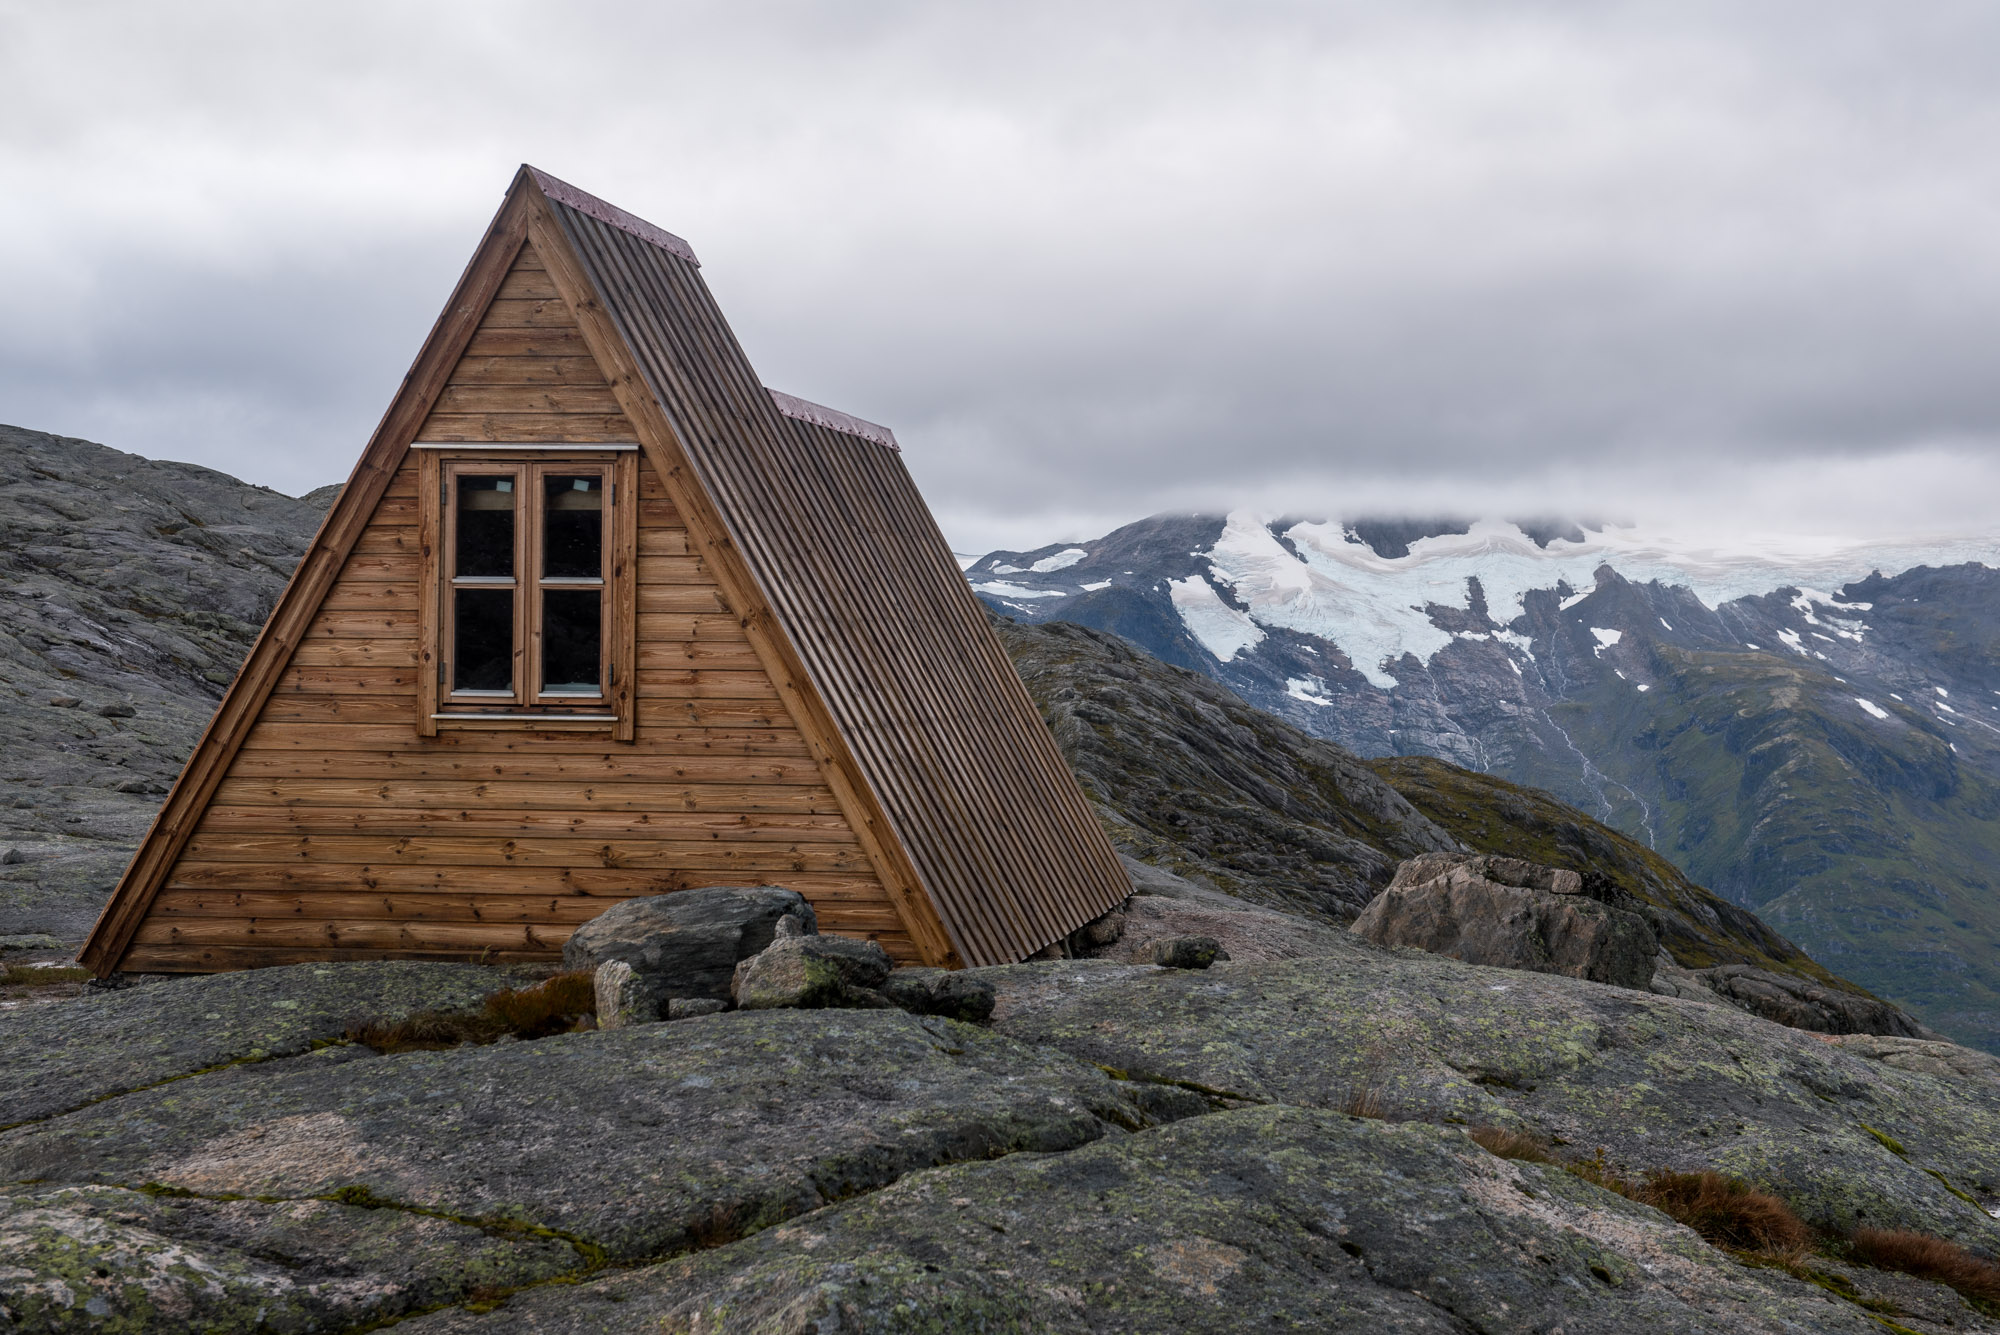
(313, 823)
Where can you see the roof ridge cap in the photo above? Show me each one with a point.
(805, 410)
(610, 214)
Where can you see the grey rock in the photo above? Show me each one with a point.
(29, 941)
(1188, 952)
(642, 1141)
(689, 942)
(1510, 914)
(952, 994)
(1803, 1004)
(1652, 1081)
(54, 1058)
(625, 997)
(105, 1258)
(12, 857)
(116, 709)
(1257, 1219)
(687, 1008)
(812, 971)
(121, 579)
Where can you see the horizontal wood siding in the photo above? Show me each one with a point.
(339, 832)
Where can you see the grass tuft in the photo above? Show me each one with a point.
(1505, 1144)
(1726, 1211)
(1927, 1257)
(559, 1005)
(29, 975)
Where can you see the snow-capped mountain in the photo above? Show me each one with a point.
(1812, 729)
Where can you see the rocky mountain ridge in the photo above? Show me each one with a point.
(1826, 753)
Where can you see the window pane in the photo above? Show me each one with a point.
(482, 658)
(573, 543)
(571, 624)
(485, 526)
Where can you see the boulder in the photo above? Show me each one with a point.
(688, 944)
(1188, 952)
(1803, 1004)
(626, 997)
(812, 971)
(1510, 914)
(945, 992)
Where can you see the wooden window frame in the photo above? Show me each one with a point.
(439, 708)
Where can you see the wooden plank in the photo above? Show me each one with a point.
(603, 885)
(401, 652)
(350, 680)
(568, 910)
(354, 934)
(692, 627)
(527, 343)
(375, 474)
(383, 621)
(653, 712)
(395, 510)
(478, 797)
(522, 284)
(720, 828)
(704, 684)
(366, 596)
(528, 371)
(671, 654)
(527, 259)
(660, 540)
(658, 514)
(586, 771)
(384, 539)
(399, 568)
(442, 850)
(151, 958)
(656, 749)
(543, 313)
(582, 399)
(686, 598)
(555, 428)
(687, 570)
(623, 632)
(429, 648)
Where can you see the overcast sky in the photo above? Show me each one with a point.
(1696, 263)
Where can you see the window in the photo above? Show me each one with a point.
(528, 589)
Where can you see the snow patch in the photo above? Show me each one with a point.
(1309, 689)
(1871, 707)
(1792, 641)
(1062, 560)
(1644, 687)
(1606, 639)
(1000, 588)
(1223, 630)
(1941, 691)
(1096, 585)
(1573, 600)
(1663, 622)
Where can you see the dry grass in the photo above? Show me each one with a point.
(1727, 1212)
(559, 1005)
(1505, 1144)
(1927, 1257)
(29, 975)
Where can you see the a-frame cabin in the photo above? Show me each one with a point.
(598, 615)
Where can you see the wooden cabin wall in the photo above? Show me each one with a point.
(339, 832)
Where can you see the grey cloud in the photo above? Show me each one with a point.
(1089, 260)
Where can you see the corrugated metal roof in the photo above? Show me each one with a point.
(805, 410)
(865, 587)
